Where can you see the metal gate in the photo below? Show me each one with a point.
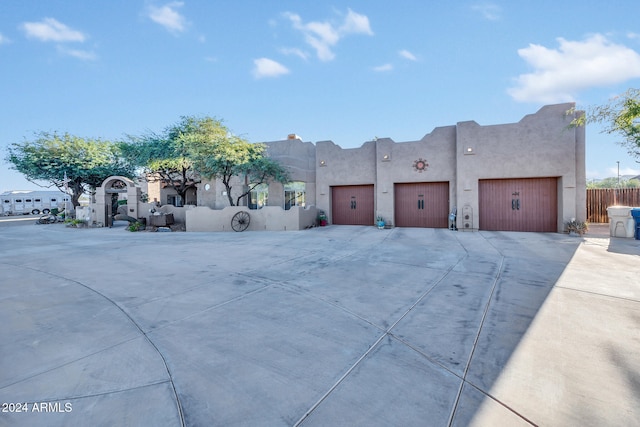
(422, 204)
(526, 204)
(352, 205)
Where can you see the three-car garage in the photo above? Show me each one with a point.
(526, 176)
(522, 204)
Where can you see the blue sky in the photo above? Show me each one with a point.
(345, 71)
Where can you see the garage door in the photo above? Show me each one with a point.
(352, 204)
(528, 204)
(422, 204)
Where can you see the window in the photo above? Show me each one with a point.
(259, 196)
(294, 194)
(18, 200)
(53, 200)
(38, 200)
(174, 199)
(28, 200)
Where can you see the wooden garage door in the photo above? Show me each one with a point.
(352, 205)
(422, 204)
(528, 204)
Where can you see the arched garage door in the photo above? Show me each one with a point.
(422, 204)
(352, 204)
(527, 204)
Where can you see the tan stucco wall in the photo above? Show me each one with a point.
(299, 158)
(154, 193)
(338, 166)
(208, 197)
(269, 218)
(539, 145)
(296, 156)
(395, 162)
(215, 197)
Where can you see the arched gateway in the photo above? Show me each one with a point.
(105, 193)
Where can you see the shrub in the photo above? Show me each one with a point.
(578, 227)
(135, 226)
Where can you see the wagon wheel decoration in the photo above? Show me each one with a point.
(240, 221)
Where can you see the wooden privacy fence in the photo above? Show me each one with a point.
(599, 199)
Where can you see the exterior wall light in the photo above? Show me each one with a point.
(469, 150)
(323, 163)
(386, 157)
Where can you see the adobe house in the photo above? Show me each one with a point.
(524, 176)
(272, 206)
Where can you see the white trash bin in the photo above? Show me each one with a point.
(621, 223)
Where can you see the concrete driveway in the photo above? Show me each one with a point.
(335, 326)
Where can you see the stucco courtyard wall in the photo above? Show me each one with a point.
(271, 218)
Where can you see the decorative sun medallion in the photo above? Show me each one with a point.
(420, 165)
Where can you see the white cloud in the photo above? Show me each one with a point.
(294, 51)
(385, 67)
(407, 55)
(559, 74)
(50, 29)
(323, 36)
(355, 23)
(489, 11)
(624, 171)
(265, 67)
(168, 16)
(85, 55)
(612, 172)
(4, 40)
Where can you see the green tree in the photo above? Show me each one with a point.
(613, 183)
(621, 116)
(216, 153)
(165, 158)
(86, 162)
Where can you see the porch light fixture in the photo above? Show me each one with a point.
(386, 157)
(469, 150)
(323, 163)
